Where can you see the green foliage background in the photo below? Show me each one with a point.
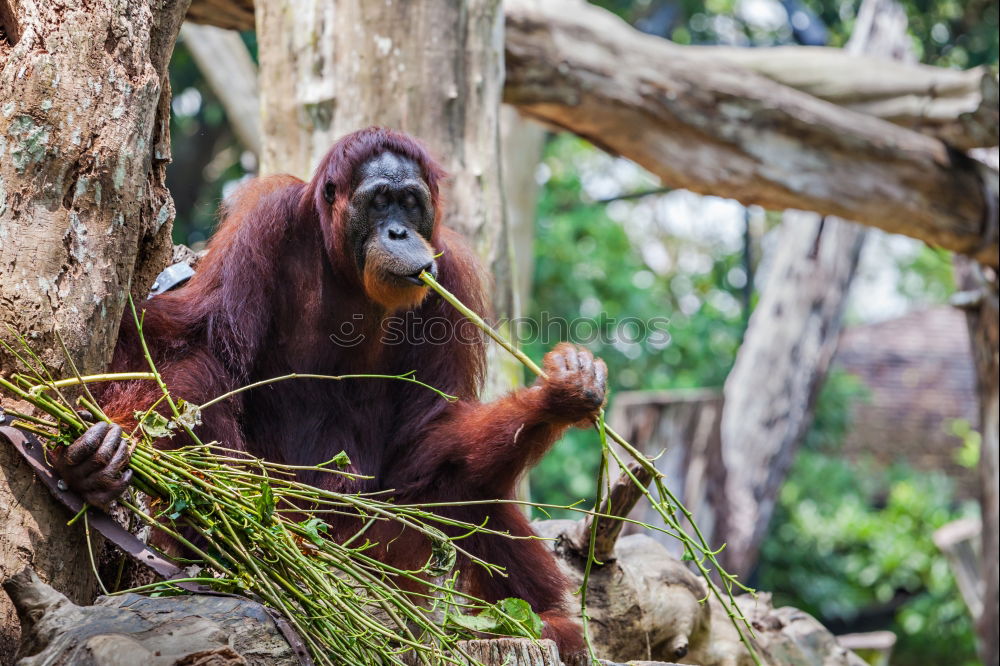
(849, 543)
(585, 257)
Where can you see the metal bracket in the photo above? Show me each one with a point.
(33, 452)
(170, 278)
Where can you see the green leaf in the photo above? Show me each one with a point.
(508, 617)
(484, 623)
(312, 528)
(265, 503)
(514, 617)
(177, 507)
(443, 555)
(341, 460)
(526, 621)
(154, 424)
(190, 415)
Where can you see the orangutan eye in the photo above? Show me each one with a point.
(410, 202)
(380, 201)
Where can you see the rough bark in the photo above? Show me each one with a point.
(84, 215)
(618, 503)
(981, 305)
(521, 144)
(729, 132)
(770, 393)
(189, 630)
(512, 651)
(194, 630)
(84, 142)
(645, 604)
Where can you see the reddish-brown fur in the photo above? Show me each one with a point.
(277, 282)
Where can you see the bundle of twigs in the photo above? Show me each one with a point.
(242, 510)
(243, 518)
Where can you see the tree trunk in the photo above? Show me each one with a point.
(983, 313)
(84, 127)
(84, 216)
(523, 141)
(771, 391)
(720, 130)
(201, 629)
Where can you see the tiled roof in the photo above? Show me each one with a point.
(919, 372)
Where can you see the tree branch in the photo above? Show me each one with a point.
(620, 500)
(230, 14)
(698, 122)
(720, 130)
(959, 107)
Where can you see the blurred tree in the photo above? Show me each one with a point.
(84, 220)
(585, 258)
(945, 32)
(207, 160)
